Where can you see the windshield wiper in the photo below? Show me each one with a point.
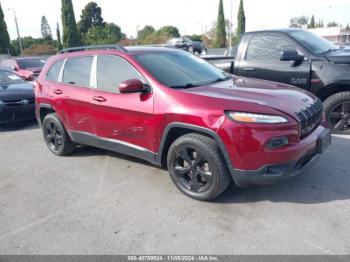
(220, 79)
(188, 85)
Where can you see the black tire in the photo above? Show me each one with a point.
(205, 175)
(337, 111)
(56, 137)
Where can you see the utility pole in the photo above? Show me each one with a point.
(137, 35)
(19, 37)
(231, 19)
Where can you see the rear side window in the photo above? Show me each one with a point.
(267, 48)
(77, 71)
(112, 70)
(54, 71)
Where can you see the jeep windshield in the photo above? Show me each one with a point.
(316, 44)
(180, 69)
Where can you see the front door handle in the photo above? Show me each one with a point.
(58, 91)
(99, 99)
(249, 69)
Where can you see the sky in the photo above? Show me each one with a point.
(190, 16)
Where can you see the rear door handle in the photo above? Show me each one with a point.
(58, 91)
(99, 99)
(248, 69)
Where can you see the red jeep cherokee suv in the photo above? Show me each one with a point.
(174, 109)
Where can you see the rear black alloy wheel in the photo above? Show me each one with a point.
(337, 110)
(339, 117)
(53, 136)
(197, 167)
(192, 170)
(56, 136)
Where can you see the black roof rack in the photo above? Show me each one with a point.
(92, 47)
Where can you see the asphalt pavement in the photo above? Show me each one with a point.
(98, 202)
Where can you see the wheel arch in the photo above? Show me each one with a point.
(338, 87)
(44, 110)
(175, 130)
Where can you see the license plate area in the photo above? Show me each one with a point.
(324, 141)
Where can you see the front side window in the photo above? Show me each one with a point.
(112, 70)
(54, 71)
(177, 69)
(77, 71)
(267, 48)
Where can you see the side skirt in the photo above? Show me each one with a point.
(117, 146)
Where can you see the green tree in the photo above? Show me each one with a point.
(240, 20)
(347, 27)
(169, 30)
(5, 44)
(332, 24)
(144, 33)
(70, 31)
(91, 16)
(220, 34)
(58, 35)
(299, 22)
(45, 29)
(312, 22)
(109, 33)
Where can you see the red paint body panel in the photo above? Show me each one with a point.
(140, 119)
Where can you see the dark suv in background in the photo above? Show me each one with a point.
(176, 110)
(187, 44)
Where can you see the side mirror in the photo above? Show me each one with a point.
(133, 86)
(291, 55)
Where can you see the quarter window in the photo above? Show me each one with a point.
(112, 70)
(54, 71)
(267, 48)
(77, 71)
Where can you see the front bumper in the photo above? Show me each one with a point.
(14, 113)
(271, 174)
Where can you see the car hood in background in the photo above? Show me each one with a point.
(16, 92)
(341, 56)
(34, 69)
(285, 98)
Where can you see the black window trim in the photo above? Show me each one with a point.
(146, 82)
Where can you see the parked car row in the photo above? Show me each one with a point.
(28, 68)
(173, 109)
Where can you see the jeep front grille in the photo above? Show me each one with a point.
(310, 117)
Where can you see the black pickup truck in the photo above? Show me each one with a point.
(299, 58)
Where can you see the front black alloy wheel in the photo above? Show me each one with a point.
(197, 167)
(56, 136)
(337, 110)
(192, 170)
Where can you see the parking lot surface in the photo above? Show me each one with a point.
(98, 202)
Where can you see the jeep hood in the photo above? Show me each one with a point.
(341, 56)
(284, 98)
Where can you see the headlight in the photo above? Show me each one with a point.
(256, 118)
